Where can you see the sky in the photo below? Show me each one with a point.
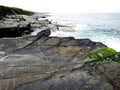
(65, 6)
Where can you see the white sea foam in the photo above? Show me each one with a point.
(61, 34)
(115, 44)
(103, 28)
(110, 41)
(35, 32)
(81, 27)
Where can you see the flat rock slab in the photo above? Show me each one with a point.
(52, 63)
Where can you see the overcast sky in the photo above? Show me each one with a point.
(65, 6)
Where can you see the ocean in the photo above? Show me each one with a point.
(99, 27)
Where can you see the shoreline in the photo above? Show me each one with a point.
(42, 62)
(34, 24)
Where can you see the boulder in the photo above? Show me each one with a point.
(45, 32)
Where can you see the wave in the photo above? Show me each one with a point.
(103, 28)
(81, 27)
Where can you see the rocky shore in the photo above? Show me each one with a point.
(30, 62)
(21, 25)
(53, 63)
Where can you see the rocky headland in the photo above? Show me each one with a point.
(41, 62)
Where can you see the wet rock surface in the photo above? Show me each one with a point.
(53, 63)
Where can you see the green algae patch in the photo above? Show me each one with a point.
(102, 55)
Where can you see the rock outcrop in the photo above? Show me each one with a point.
(22, 25)
(49, 63)
(14, 26)
(53, 63)
(15, 30)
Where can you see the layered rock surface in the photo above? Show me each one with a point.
(21, 25)
(53, 63)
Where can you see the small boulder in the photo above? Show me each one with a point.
(45, 32)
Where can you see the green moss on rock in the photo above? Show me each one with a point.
(103, 54)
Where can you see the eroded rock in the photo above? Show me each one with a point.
(53, 63)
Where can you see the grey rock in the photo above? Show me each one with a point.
(46, 32)
(53, 63)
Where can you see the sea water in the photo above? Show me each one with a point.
(99, 27)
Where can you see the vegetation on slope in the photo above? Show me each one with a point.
(4, 10)
(102, 55)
